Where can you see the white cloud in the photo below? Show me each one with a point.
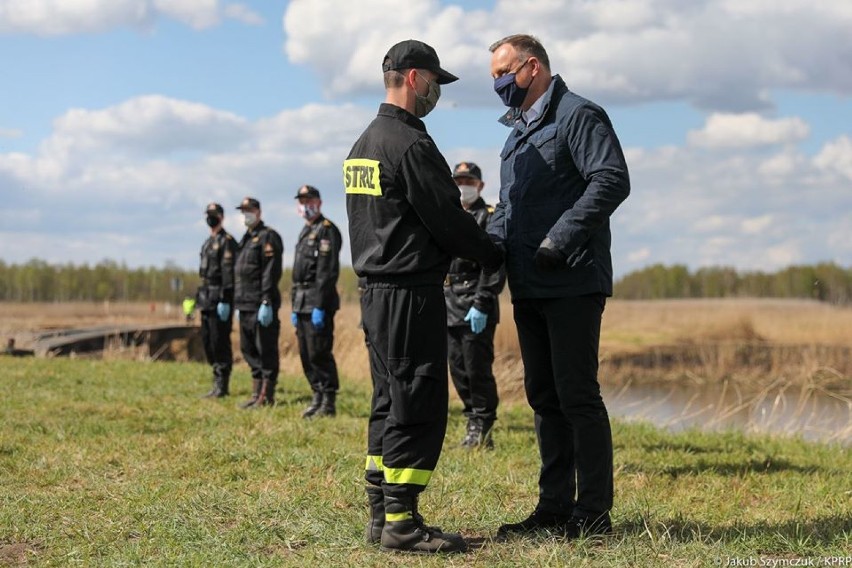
(10, 133)
(244, 14)
(146, 168)
(748, 129)
(836, 156)
(65, 17)
(706, 52)
(756, 225)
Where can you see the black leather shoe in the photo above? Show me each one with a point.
(539, 520)
(589, 526)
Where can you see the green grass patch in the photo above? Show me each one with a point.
(119, 463)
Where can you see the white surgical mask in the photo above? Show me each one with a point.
(249, 219)
(469, 194)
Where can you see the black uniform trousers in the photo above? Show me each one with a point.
(259, 345)
(315, 351)
(471, 358)
(216, 338)
(559, 341)
(405, 329)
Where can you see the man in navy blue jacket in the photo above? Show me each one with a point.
(562, 175)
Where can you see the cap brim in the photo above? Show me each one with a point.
(444, 77)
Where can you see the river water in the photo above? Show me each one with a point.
(812, 414)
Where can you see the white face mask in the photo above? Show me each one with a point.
(307, 211)
(249, 219)
(469, 194)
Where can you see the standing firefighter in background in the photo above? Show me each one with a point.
(316, 267)
(472, 314)
(215, 298)
(256, 274)
(405, 225)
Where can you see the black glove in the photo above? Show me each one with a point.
(496, 261)
(549, 258)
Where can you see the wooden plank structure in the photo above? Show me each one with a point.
(157, 338)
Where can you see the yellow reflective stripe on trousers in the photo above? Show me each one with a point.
(374, 463)
(396, 517)
(407, 475)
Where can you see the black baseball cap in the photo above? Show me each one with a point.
(308, 191)
(467, 169)
(414, 54)
(215, 208)
(249, 203)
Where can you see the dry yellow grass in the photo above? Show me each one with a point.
(755, 341)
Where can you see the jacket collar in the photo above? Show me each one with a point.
(399, 113)
(513, 117)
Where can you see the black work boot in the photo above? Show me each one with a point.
(255, 393)
(478, 434)
(266, 397)
(215, 392)
(220, 387)
(328, 407)
(376, 498)
(405, 531)
(539, 520)
(315, 404)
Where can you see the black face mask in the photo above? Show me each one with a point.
(213, 221)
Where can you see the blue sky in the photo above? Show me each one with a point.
(121, 119)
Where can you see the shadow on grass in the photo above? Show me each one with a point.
(822, 531)
(739, 469)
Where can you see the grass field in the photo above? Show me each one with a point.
(118, 463)
(752, 342)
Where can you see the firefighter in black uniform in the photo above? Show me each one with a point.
(256, 295)
(215, 298)
(316, 267)
(472, 315)
(405, 225)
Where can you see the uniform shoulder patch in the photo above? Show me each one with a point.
(268, 249)
(490, 209)
(362, 177)
(326, 223)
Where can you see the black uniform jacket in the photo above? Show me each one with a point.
(467, 284)
(316, 267)
(405, 218)
(258, 269)
(217, 270)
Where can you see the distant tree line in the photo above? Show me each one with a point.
(40, 281)
(826, 282)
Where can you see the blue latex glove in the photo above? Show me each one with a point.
(294, 319)
(223, 310)
(318, 318)
(264, 315)
(477, 320)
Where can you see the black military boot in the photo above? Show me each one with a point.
(220, 386)
(315, 404)
(376, 498)
(255, 393)
(405, 531)
(266, 397)
(215, 392)
(478, 434)
(328, 407)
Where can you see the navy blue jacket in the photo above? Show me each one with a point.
(561, 177)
